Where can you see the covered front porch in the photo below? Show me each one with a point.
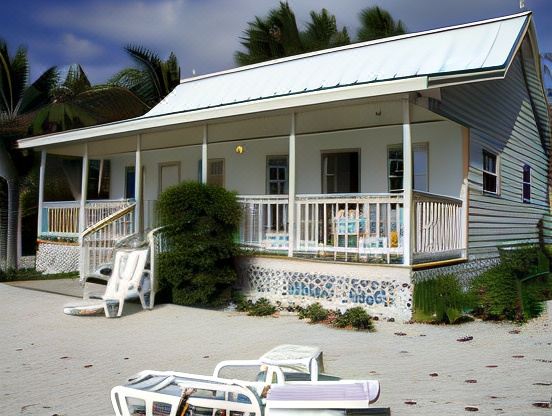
(371, 181)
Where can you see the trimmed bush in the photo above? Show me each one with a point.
(440, 300)
(315, 313)
(201, 221)
(355, 317)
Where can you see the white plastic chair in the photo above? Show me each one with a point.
(129, 279)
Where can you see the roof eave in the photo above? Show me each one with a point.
(142, 125)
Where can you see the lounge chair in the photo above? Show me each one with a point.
(128, 279)
(161, 393)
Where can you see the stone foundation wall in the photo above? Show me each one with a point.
(465, 272)
(384, 291)
(26, 262)
(52, 257)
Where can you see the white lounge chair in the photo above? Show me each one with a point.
(160, 392)
(129, 279)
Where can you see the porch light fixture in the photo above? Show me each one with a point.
(239, 149)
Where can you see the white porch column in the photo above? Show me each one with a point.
(41, 176)
(138, 220)
(407, 183)
(291, 188)
(84, 190)
(204, 156)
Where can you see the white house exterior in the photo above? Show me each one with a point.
(360, 169)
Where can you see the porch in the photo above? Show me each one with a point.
(338, 187)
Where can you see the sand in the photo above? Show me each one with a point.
(53, 364)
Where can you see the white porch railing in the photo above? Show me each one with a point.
(61, 219)
(264, 222)
(358, 227)
(354, 227)
(438, 230)
(98, 240)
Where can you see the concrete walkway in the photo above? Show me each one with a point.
(66, 365)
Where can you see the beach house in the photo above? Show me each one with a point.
(360, 169)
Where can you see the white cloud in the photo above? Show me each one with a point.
(78, 49)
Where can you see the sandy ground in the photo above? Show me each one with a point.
(53, 364)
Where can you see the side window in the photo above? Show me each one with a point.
(277, 175)
(526, 184)
(420, 167)
(490, 173)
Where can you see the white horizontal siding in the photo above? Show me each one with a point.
(501, 119)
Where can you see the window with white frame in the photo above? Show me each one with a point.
(490, 172)
(277, 175)
(526, 184)
(420, 168)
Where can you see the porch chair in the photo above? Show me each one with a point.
(128, 279)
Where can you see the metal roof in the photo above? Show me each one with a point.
(476, 47)
(401, 64)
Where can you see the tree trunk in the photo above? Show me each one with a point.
(9, 173)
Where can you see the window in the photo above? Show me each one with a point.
(526, 184)
(490, 173)
(130, 177)
(420, 167)
(215, 172)
(340, 172)
(276, 175)
(98, 179)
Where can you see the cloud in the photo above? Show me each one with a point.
(79, 49)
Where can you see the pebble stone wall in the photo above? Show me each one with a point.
(385, 292)
(464, 272)
(57, 258)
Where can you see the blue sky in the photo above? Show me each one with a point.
(204, 33)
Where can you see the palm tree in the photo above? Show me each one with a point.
(152, 78)
(76, 103)
(277, 35)
(322, 32)
(378, 23)
(18, 103)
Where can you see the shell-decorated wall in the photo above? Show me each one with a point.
(383, 291)
(53, 257)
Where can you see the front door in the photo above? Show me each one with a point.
(340, 172)
(169, 175)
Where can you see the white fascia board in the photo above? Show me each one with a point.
(140, 125)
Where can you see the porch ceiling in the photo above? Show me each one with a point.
(357, 114)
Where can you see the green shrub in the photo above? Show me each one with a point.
(200, 222)
(516, 289)
(315, 313)
(496, 291)
(355, 317)
(440, 300)
(31, 274)
(260, 308)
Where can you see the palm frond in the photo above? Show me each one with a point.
(377, 23)
(39, 93)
